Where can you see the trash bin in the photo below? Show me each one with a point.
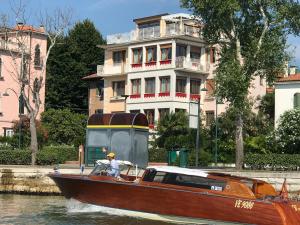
(172, 157)
(183, 158)
(178, 156)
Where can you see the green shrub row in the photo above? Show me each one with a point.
(49, 155)
(273, 161)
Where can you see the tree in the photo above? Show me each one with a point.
(252, 37)
(75, 57)
(173, 131)
(267, 106)
(30, 84)
(287, 134)
(64, 126)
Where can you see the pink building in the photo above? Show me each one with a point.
(22, 50)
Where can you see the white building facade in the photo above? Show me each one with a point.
(162, 66)
(287, 95)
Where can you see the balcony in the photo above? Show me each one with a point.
(148, 32)
(12, 46)
(191, 64)
(172, 29)
(121, 37)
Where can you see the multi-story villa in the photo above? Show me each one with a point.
(161, 66)
(22, 50)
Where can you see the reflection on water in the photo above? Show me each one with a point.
(25, 209)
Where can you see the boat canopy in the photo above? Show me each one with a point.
(118, 119)
(179, 170)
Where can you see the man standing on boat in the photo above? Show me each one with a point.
(114, 165)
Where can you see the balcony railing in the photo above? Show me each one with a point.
(149, 32)
(191, 64)
(172, 29)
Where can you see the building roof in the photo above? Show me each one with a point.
(294, 77)
(25, 27)
(149, 18)
(92, 76)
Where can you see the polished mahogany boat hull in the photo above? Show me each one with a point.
(177, 202)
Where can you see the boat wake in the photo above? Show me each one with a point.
(74, 206)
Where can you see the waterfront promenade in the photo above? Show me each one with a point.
(34, 180)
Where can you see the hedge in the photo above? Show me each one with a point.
(273, 161)
(49, 155)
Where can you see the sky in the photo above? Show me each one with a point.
(113, 16)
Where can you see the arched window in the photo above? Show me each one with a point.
(37, 56)
(296, 100)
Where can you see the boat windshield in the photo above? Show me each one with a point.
(104, 165)
(184, 180)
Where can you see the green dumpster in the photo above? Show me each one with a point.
(172, 157)
(178, 157)
(183, 158)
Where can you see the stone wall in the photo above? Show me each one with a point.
(31, 180)
(34, 180)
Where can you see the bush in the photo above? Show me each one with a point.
(288, 132)
(158, 155)
(47, 156)
(64, 126)
(15, 157)
(56, 154)
(273, 161)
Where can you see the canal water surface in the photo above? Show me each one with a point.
(56, 210)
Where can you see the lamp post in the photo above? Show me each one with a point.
(125, 96)
(218, 101)
(198, 129)
(20, 98)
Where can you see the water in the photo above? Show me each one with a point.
(25, 209)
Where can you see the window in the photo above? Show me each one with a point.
(136, 86)
(117, 57)
(99, 111)
(180, 84)
(118, 88)
(24, 68)
(99, 90)
(21, 105)
(210, 85)
(180, 51)
(150, 85)
(137, 56)
(210, 117)
(37, 56)
(180, 110)
(195, 53)
(166, 52)
(8, 132)
(151, 54)
(165, 84)
(163, 112)
(296, 100)
(184, 180)
(212, 55)
(150, 115)
(195, 86)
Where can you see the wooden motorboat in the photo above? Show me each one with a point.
(185, 193)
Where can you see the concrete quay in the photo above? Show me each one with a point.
(34, 180)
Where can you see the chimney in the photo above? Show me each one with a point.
(286, 69)
(42, 28)
(293, 70)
